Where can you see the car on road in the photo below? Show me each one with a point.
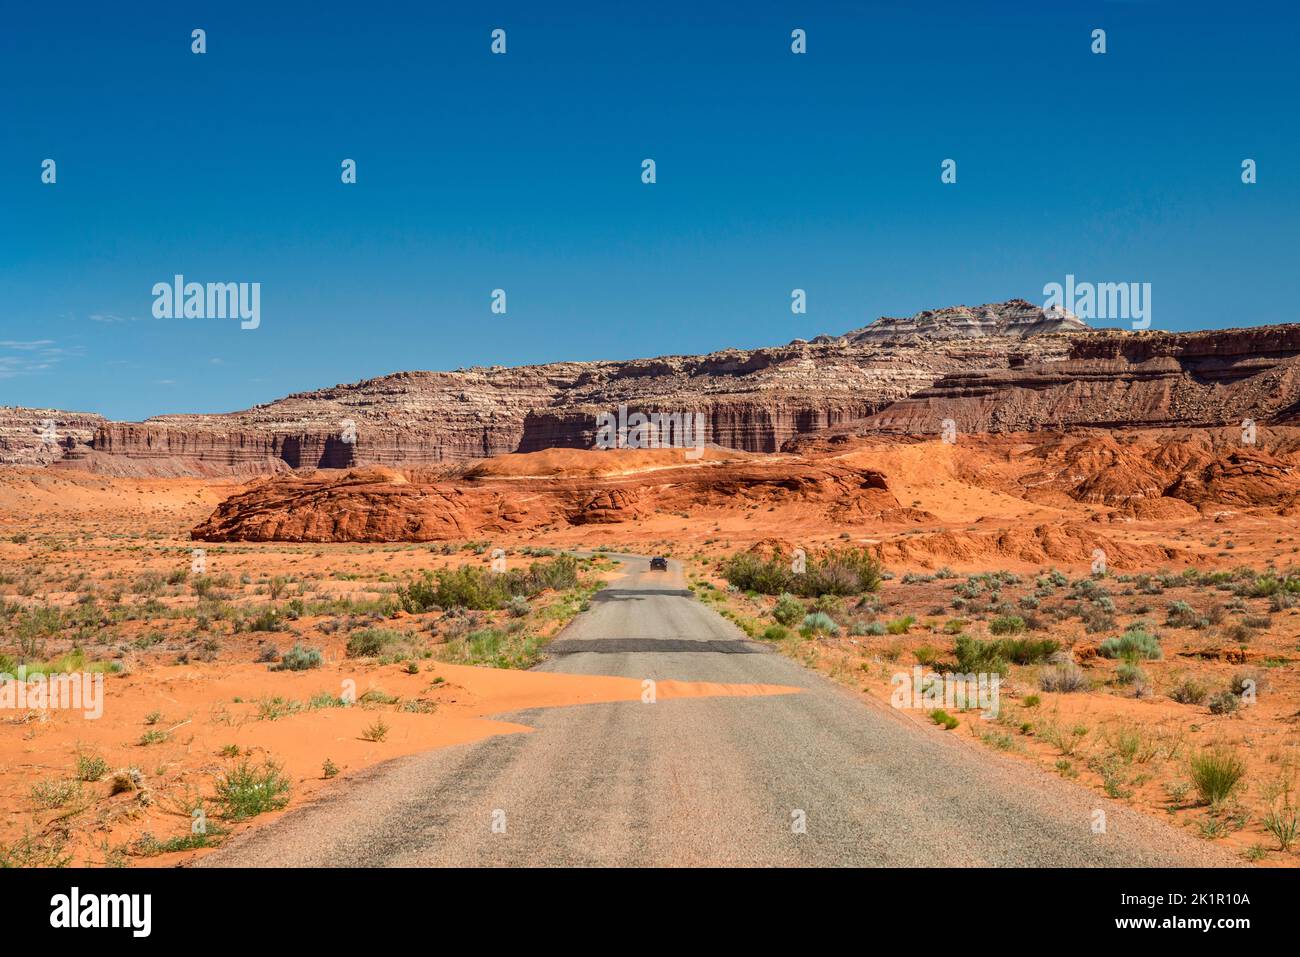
(659, 563)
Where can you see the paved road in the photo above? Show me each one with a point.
(707, 781)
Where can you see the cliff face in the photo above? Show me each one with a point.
(994, 368)
(752, 400)
(1116, 379)
(38, 437)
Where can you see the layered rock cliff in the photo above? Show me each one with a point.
(38, 437)
(1000, 367)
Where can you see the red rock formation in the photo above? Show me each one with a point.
(384, 505)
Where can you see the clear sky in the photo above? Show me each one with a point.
(523, 172)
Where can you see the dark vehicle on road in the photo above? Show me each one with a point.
(659, 564)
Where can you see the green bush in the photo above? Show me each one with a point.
(1134, 644)
(481, 589)
(819, 623)
(844, 571)
(246, 791)
(1027, 651)
(788, 609)
(1007, 625)
(776, 633)
(299, 658)
(976, 657)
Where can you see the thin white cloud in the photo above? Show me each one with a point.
(28, 357)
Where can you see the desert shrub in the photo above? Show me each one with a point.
(56, 793)
(1247, 681)
(268, 620)
(974, 656)
(990, 656)
(1136, 643)
(246, 790)
(518, 606)
(91, 767)
(1282, 601)
(1216, 773)
(1225, 702)
(844, 571)
(748, 572)
(1189, 691)
(1179, 614)
(776, 633)
(788, 609)
(854, 569)
(481, 589)
(1130, 673)
(32, 626)
(1096, 620)
(819, 623)
(1027, 651)
(1007, 625)
(1063, 678)
(299, 658)
(371, 642)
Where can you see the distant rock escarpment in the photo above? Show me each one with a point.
(37, 437)
(1116, 379)
(1001, 367)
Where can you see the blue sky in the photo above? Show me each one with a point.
(522, 172)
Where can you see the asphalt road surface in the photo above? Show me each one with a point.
(815, 778)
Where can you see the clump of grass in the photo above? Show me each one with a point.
(247, 790)
(775, 633)
(376, 732)
(1216, 774)
(944, 719)
(274, 707)
(900, 626)
(1283, 823)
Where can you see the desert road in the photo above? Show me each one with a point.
(720, 781)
